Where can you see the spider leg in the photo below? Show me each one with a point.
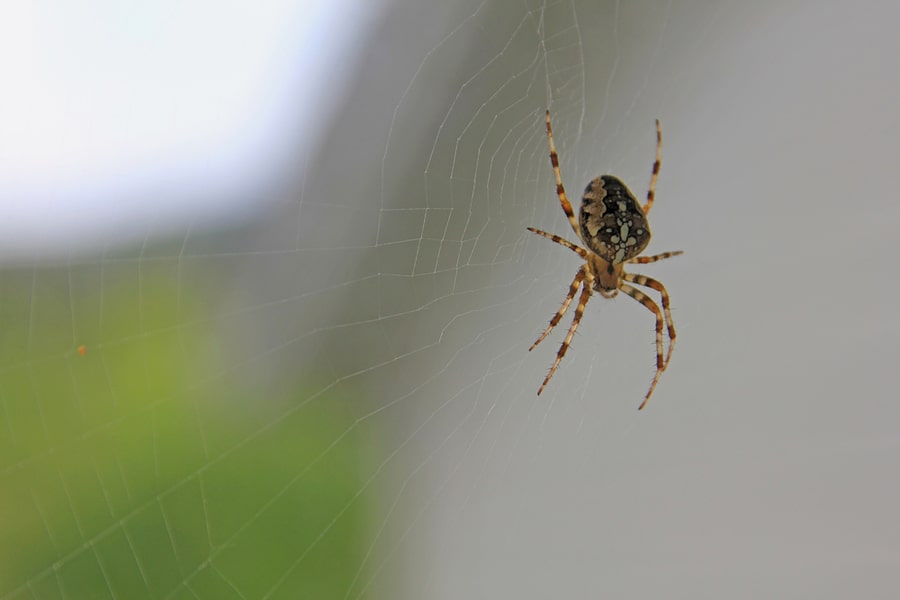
(659, 287)
(651, 192)
(652, 307)
(579, 311)
(560, 189)
(561, 241)
(579, 277)
(643, 260)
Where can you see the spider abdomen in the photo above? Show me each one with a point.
(613, 224)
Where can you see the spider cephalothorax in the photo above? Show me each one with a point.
(613, 225)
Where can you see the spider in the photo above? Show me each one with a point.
(613, 226)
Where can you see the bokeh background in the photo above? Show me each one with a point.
(267, 294)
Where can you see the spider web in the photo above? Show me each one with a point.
(335, 400)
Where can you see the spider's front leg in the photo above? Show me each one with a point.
(659, 287)
(579, 312)
(652, 307)
(579, 277)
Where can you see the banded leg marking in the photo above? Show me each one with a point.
(579, 277)
(651, 192)
(560, 189)
(659, 287)
(561, 241)
(579, 311)
(652, 307)
(643, 260)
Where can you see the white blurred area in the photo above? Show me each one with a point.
(121, 118)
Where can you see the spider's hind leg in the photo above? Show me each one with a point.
(560, 188)
(651, 191)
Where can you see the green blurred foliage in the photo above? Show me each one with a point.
(133, 467)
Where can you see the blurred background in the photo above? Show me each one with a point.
(267, 295)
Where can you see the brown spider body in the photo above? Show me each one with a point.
(612, 223)
(604, 277)
(614, 227)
